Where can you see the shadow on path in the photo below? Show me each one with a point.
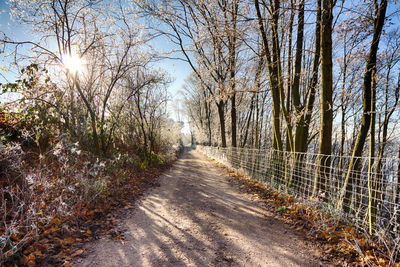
(197, 218)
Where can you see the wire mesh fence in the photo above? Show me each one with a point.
(365, 191)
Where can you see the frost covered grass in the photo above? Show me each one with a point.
(42, 194)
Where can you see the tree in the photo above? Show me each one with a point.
(325, 137)
(368, 93)
(274, 68)
(199, 109)
(197, 23)
(88, 64)
(303, 111)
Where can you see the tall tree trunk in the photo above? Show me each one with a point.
(299, 108)
(273, 81)
(371, 201)
(233, 119)
(257, 85)
(257, 126)
(343, 116)
(209, 125)
(248, 122)
(207, 111)
(347, 190)
(314, 78)
(276, 63)
(325, 137)
(232, 36)
(379, 183)
(289, 68)
(398, 183)
(221, 115)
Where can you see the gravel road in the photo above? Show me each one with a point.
(196, 217)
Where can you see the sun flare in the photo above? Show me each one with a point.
(73, 63)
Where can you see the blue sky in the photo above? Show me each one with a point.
(10, 29)
(178, 70)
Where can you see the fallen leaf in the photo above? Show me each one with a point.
(31, 257)
(67, 241)
(23, 260)
(14, 237)
(37, 253)
(77, 253)
(56, 221)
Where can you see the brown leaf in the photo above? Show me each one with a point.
(31, 257)
(67, 264)
(56, 221)
(37, 253)
(28, 250)
(77, 253)
(67, 241)
(23, 260)
(14, 237)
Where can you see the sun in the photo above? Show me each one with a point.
(73, 63)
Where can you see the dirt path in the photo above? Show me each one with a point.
(198, 218)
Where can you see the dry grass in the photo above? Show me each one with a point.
(52, 202)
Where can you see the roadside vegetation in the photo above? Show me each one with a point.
(83, 128)
(316, 82)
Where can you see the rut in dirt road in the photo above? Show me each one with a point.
(196, 217)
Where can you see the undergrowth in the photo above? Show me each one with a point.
(52, 202)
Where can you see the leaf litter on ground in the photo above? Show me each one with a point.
(339, 241)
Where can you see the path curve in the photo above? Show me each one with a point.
(196, 217)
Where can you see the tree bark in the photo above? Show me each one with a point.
(289, 69)
(325, 137)
(314, 78)
(299, 108)
(273, 81)
(351, 179)
(221, 115)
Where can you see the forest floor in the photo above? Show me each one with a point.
(198, 216)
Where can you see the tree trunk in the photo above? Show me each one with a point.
(273, 81)
(289, 68)
(298, 107)
(371, 199)
(325, 137)
(92, 114)
(351, 179)
(314, 79)
(257, 126)
(276, 64)
(398, 184)
(343, 116)
(248, 122)
(233, 119)
(296, 81)
(379, 183)
(221, 115)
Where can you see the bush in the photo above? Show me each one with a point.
(36, 188)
